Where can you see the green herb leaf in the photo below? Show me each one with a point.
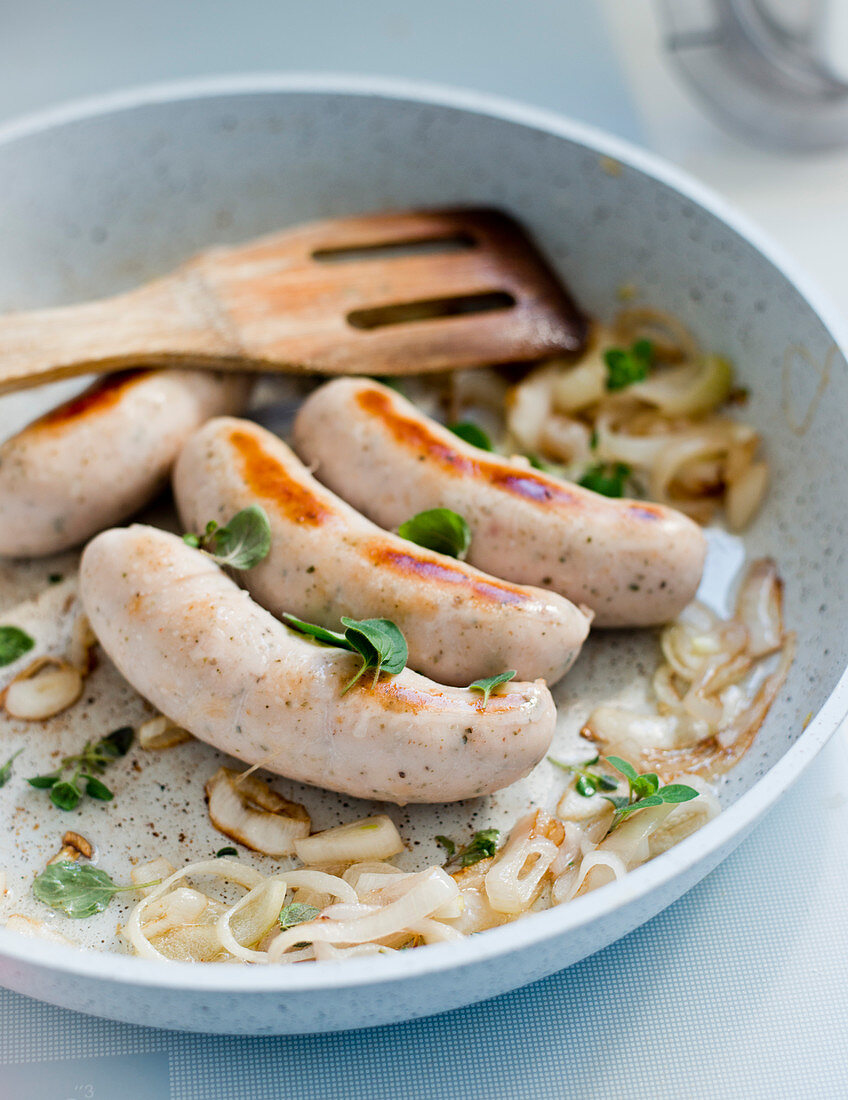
(43, 782)
(65, 795)
(644, 791)
(626, 367)
(438, 529)
(240, 544)
(319, 633)
(228, 851)
(380, 643)
(117, 743)
(677, 792)
(588, 783)
(96, 789)
(447, 844)
(14, 643)
(6, 770)
(86, 766)
(471, 433)
(483, 845)
(624, 811)
(489, 683)
(296, 913)
(607, 478)
(623, 767)
(78, 889)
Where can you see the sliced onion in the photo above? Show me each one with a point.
(326, 952)
(578, 386)
(188, 943)
(369, 838)
(153, 871)
(686, 817)
(759, 606)
(694, 389)
(247, 810)
(250, 919)
(373, 868)
(515, 878)
(228, 869)
(565, 440)
(670, 338)
(175, 909)
(745, 495)
(528, 406)
(714, 440)
(597, 869)
(428, 891)
(613, 444)
(630, 840)
(319, 882)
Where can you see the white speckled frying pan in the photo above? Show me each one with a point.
(99, 197)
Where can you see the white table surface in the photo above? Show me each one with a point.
(741, 988)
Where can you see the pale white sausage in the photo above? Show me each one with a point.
(327, 560)
(633, 563)
(96, 459)
(194, 644)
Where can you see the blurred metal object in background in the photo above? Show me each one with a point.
(777, 70)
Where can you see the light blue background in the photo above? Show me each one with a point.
(739, 990)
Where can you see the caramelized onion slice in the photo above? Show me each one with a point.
(247, 810)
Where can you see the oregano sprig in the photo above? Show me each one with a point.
(78, 889)
(85, 767)
(438, 529)
(628, 365)
(240, 544)
(644, 790)
(488, 684)
(379, 642)
(481, 846)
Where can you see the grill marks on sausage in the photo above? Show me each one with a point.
(97, 398)
(386, 556)
(268, 479)
(527, 485)
(418, 437)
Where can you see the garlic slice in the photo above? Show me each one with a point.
(44, 689)
(369, 838)
(247, 810)
(160, 732)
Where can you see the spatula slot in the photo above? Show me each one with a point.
(456, 242)
(403, 312)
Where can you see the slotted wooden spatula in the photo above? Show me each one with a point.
(393, 293)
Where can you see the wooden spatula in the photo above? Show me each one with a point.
(393, 293)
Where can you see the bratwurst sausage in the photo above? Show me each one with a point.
(98, 458)
(196, 645)
(632, 563)
(327, 560)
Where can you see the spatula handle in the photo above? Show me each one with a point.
(162, 324)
